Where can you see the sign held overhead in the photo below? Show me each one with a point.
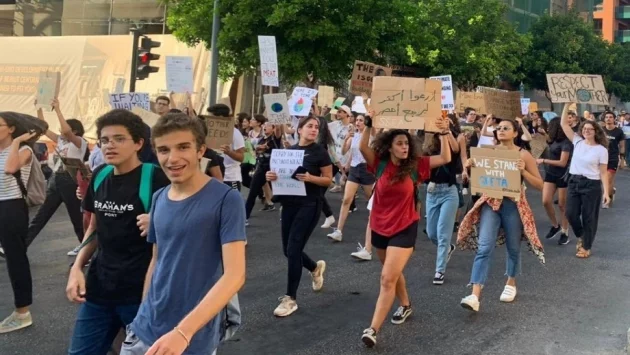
(580, 88)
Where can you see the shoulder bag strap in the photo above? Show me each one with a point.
(102, 175)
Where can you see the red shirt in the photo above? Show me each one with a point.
(394, 205)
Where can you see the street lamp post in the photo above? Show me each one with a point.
(214, 59)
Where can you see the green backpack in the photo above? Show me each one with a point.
(146, 189)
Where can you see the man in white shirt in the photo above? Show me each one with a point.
(339, 130)
(233, 154)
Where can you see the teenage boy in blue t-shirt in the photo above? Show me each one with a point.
(197, 228)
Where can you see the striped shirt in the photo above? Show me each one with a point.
(9, 188)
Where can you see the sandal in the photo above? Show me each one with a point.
(583, 253)
(579, 245)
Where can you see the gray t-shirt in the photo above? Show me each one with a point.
(189, 235)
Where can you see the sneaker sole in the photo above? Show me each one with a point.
(553, 236)
(16, 328)
(438, 282)
(399, 322)
(567, 242)
(507, 301)
(286, 314)
(361, 258)
(335, 239)
(369, 341)
(469, 307)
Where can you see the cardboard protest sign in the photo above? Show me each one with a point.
(580, 88)
(284, 162)
(220, 131)
(300, 106)
(326, 96)
(474, 100)
(268, 60)
(47, 89)
(495, 172)
(363, 75)
(148, 117)
(533, 106)
(448, 102)
(405, 103)
(358, 105)
(72, 165)
(277, 108)
(303, 92)
(128, 101)
(538, 145)
(525, 106)
(503, 104)
(338, 103)
(179, 74)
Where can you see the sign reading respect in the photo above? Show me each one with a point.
(580, 88)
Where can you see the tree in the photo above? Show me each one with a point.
(468, 39)
(617, 79)
(316, 40)
(564, 44)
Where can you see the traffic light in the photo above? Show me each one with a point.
(144, 58)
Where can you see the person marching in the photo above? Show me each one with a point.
(300, 214)
(501, 221)
(589, 171)
(616, 150)
(394, 218)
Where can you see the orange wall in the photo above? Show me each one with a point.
(607, 16)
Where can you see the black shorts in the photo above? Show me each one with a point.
(406, 238)
(360, 175)
(557, 180)
(613, 165)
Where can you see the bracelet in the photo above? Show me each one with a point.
(183, 336)
(445, 134)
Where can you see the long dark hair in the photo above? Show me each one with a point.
(518, 141)
(384, 141)
(556, 133)
(239, 119)
(324, 138)
(600, 135)
(19, 122)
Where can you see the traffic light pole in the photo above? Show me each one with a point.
(214, 61)
(134, 59)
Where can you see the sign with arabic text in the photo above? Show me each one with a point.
(405, 103)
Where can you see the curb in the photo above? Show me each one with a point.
(628, 342)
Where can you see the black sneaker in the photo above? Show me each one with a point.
(553, 232)
(450, 253)
(369, 337)
(456, 227)
(401, 314)
(438, 279)
(270, 207)
(564, 239)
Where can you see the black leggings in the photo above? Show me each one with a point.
(14, 222)
(61, 188)
(257, 183)
(298, 222)
(584, 198)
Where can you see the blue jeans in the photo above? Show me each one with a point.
(508, 218)
(441, 211)
(97, 326)
(627, 152)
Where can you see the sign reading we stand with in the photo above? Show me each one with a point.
(495, 172)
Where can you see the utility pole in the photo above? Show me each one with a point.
(134, 59)
(214, 59)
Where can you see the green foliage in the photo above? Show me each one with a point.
(468, 39)
(617, 79)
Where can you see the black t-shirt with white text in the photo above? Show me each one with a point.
(555, 152)
(615, 136)
(117, 272)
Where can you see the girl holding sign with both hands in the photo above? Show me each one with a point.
(500, 221)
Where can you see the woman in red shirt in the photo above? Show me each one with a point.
(394, 219)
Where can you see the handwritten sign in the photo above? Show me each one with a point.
(47, 89)
(179, 74)
(496, 173)
(220, 131)
(326, 96)
(405, 103)
(363, 74)
(268, 60)
(538, 145)
(306, 93)
(448, 102)
(284, 162)
(525, 106)
(127, 101)
(358, 105)
(300, 106)
(580, 88)
(474, 100)
(277, 108)
(338, 103)
(503, 104)
(533, 106)
(148, 117)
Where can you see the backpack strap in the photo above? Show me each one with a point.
(380, 169)
(146, 185)
(102, 175)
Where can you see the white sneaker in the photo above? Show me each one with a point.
(2, 253)
(362, 253)
(286, 307)
(470, 303)
(337, 236)
(75, 251)
(336, 188)
(318, 276)
(329, 222)
(509, 294)
(15, 322)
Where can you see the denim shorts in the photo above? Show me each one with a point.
(360, 175)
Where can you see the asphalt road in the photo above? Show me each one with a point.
(568, 306)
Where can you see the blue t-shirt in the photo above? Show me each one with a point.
(189, 235)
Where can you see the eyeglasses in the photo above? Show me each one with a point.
(4, 125)
(118, 140)
(504, 128)
(588, 129)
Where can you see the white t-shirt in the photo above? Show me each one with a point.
(357, 157)
(9, 188)
(233, 167)
(339, 133)
(586, 158)
(68, 150)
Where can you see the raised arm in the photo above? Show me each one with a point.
(564, 123)
(364, 146)
(484, 129)
(64, 127)
(445, 148)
